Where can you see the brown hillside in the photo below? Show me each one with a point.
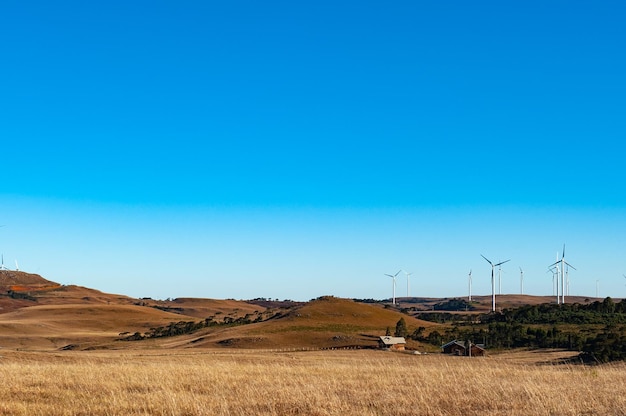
(36, 313)
(9, 278)
(323, 323)
(482, 304)
(204, 308)
(55, 326)
(19, 290)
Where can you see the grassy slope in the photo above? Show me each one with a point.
(55, 315)
(323, 323)
(54, 326)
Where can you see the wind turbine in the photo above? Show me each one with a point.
(493, 282)
(469, 298)
(393, 277)
(555, 282)
(562, 264)
(2, 266)
(558, 274)
(521, 281)
(17, 267)
(500, 280)
(567, 280)
(407, 283)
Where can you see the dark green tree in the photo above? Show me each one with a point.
(401, 329)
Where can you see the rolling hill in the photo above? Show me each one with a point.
(326, 322)
(36, 313)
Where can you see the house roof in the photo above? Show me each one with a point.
(392, 340)
(449, 344)
(462, 344)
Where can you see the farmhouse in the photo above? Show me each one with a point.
(459, 348)
(392, 343)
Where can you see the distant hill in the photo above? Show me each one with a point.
(482, 303)
(326, 322)
(19, 290)
(36, 313)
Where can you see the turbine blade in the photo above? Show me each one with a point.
(502, 262)
(569, 265)
(489, 261)
(554, 264)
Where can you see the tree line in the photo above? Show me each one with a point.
(596, 329)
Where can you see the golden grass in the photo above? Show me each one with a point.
(304, 383)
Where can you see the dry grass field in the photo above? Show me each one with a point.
(359, 382)
(61, 354)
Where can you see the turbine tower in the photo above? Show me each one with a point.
(2, 266)
(555, 281)
(469, 280)
(562, 263)
(567, 280)
(493, 282)
(408, 287)
(521, 281)
(393, 278)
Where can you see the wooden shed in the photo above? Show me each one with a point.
(392, 343)
(459, 348)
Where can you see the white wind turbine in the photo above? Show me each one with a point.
(393, 278)
(408, 287)
(2, 266)
(469, 280)
(555, 281)
(562, 263)
(493, 282)
(521, 281)
(567, 279)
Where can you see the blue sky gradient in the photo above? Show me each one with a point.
(292, 150)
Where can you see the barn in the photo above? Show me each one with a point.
(392, 343)
(459, 348)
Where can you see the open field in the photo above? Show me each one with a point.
(184, 382)
(62, 354)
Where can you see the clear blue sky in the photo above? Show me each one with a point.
(297, 149)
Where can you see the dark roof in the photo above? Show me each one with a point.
(449, 344)
(462, 344)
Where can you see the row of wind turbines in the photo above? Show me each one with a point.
(560, 278)
(3, 267)
(560, 269)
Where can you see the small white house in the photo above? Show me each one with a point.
(392, 343)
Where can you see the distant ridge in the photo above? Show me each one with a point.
(10, 278)
(36, 313)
